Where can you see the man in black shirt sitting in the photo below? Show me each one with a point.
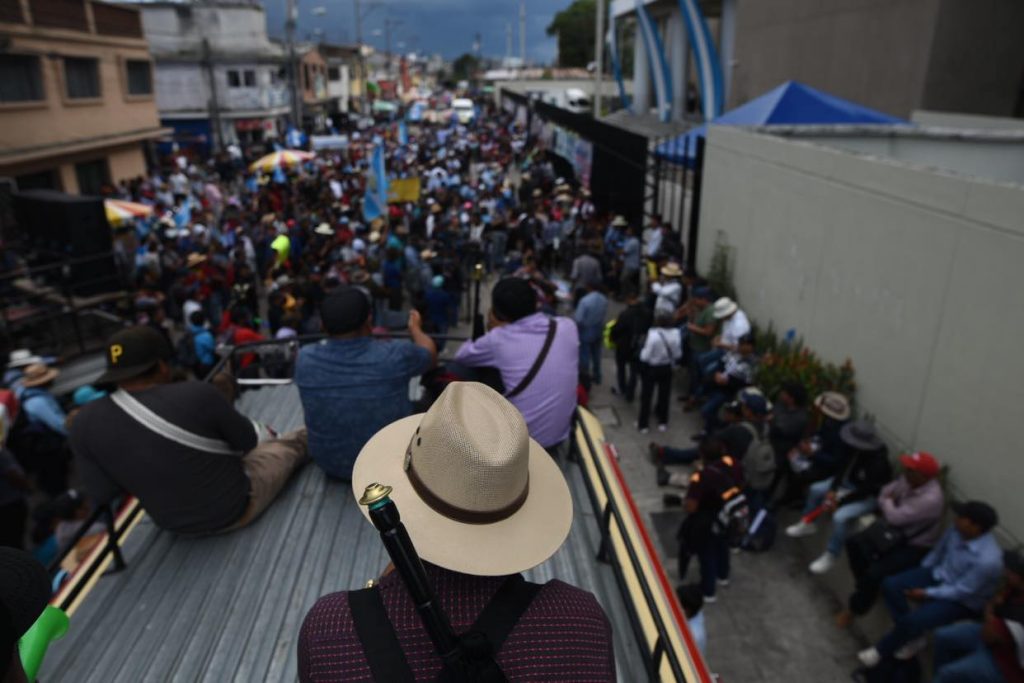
(195, 463)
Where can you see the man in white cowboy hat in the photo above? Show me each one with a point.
(482, 502)
(734, 324)
(17, 361)
(669, 290)
(40, 444)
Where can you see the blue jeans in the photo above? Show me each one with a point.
(590, 359)
(929, 615)
(961, 657)
(714, 559)
(708, 361)
(843, 515)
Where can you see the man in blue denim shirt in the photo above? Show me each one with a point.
(351, 384)
(954, 582)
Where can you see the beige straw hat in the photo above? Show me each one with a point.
(475, 492)
(37, 375)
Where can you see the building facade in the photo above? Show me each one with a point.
(219, 79)
(77, 106)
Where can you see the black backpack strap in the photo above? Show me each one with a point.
(525, 382)
(380, 642)
(504, 610)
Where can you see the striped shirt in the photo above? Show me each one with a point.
(564, 634)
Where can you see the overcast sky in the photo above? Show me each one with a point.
(445, 26)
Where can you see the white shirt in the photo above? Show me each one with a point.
(653, 244)
(669, 294)
(662, 346)
(734, 328)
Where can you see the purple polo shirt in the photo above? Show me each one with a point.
(548, 403)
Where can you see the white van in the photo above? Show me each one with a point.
(465, 112)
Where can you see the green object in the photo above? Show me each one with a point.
(51, 625)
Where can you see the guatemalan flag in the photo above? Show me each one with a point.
(375, 201)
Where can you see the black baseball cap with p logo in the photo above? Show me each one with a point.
(132, 352)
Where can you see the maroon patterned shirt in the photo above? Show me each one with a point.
(564, 634)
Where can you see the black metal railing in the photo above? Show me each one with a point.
(663, 648)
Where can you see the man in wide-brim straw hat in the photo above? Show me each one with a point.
(482, 502)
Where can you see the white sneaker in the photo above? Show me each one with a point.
(644, 430)
(869, 657)
(662, 428)
(823, 564)
(801, 529)
(724, 583)
(709, 599)
(910, 650)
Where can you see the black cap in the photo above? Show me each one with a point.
(980, 513)
(132, 352)
(513, 298)
(24, 592)
(345, 310)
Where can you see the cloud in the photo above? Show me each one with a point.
(448, 27)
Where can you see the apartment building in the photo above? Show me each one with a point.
(76, 94)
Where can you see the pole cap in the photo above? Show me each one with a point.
(374, 493)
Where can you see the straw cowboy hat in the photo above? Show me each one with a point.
(19, 358)
(37, 374)
(724, 307)
(861, 435)
(671, 269)
(833, 404)
(476, 493)
(194, 260)
(324, 229)
(621, 222)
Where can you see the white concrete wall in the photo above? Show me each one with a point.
(911, 273)
(173, 30)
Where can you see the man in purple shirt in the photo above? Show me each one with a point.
(515, 338)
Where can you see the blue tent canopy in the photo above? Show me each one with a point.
(791, 103)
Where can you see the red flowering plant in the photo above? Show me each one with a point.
(787, 359)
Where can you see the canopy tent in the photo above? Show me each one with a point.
(791, 103)
(282, 159)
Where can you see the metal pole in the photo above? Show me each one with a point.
(598, 57)
(359, 57)
(698, 173)
(293, 71)
(522, 33)
(214, 103)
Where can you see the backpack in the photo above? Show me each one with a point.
(186, 351)
(761, 534)
(733, 517)
(759, 460)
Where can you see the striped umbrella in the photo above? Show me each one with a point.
(120, 211)
(282, 159)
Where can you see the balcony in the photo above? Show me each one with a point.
(254, 99)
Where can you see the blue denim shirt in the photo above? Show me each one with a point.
(350, 389)
(968, 572)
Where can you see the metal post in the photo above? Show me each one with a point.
(698, 173)
(293, 71)
(522, 33)
(214, 106)
(598, 57)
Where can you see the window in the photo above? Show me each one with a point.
(139, 77)
(333, 73)
(92, 176)
(234, 79)
(41, 180)
(82, 76)
(250, 78)
(21, 79)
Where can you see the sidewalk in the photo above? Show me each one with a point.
(775, 621)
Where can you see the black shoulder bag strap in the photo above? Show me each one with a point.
(380, 643)
(525, 382)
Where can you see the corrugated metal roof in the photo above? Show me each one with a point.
(229, 607)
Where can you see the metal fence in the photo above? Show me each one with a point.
(674, 189)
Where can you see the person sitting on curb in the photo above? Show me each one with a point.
(482, 502)
(195, 463)
(991, 651)
(351, 384)
(733, 324)
(849, 494)
(820, 456)
(911, 508)
(954, 581)
(736, 372)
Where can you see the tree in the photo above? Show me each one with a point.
(575, 28)
(464, 67)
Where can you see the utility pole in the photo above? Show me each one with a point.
(293, 71)
(598, 57)
(359, 58)
(522, 32)
(214, 106)
(508, 42)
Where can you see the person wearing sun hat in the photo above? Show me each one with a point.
(481, 501)
(911, 506)
(40, 446)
